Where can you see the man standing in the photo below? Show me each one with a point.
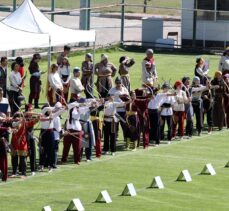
(124, 68)
(76, 86)
(3, 74)
(120, 94)
(87, 74)
(63, 54)
(105, 71)
(149, 72)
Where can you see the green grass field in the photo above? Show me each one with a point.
(73, 4)
(113, 173)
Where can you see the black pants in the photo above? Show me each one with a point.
(209, 117)
(32, 153)
(15, 104)
(168, 119)
(48, 145)
(154, 118)
(199, 116)
(109, 137)
(22, 164)
(56, 148)
(123, 125)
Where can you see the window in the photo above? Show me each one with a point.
(223, 5)
(206, 5)
(221, 12)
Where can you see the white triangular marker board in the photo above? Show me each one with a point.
(129, 190)
(227, 165)
(157, 183)
(184, 176)
(104, 195)
(47, 208)
(208, 169)
(75, 204)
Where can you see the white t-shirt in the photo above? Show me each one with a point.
(55, 81)
(168, 111)
(116, 93)
(15, 81)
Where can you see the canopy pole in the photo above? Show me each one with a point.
(49, 53)
(93, 74)
(7, 74)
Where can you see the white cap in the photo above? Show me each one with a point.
(149, 51)
(58, 105)
(104, 57)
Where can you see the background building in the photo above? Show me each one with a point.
(212, 25)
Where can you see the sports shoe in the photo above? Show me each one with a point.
(33, 173)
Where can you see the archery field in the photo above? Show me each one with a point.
(112, 173)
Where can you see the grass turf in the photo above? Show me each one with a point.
(112, 173)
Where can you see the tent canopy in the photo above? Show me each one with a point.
(12, 39)
(29, 18)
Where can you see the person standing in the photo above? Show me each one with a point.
(188, 107)
(3, 74)
(201, 70)
(167, 112)
(19, 144)
(149, 72)
(4, 149)
(133, 131)
(87, 74)
(207, 107)
(15, 88)
(120, 94)
(58, 131)
(224, 62)
(218, 104)
(31, 141)
(64, 71)
(197, 104)
(105, 71)
(66, 52)
(110, 125)
(35, 82)
(179, 110)
(73, 132)
(21, 70)
(55, 91)
(47, 136)
(76, 87)
(97, 125)
(88, 138)
(124, 69)
(141, 102)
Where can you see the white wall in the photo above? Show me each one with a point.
(187, 19)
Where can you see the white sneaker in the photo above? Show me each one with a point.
(33, 173)
(169, 142)
(50, 170)
(88, 160)
(113, 154)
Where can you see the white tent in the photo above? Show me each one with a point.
(12, 39)
(28, 18)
